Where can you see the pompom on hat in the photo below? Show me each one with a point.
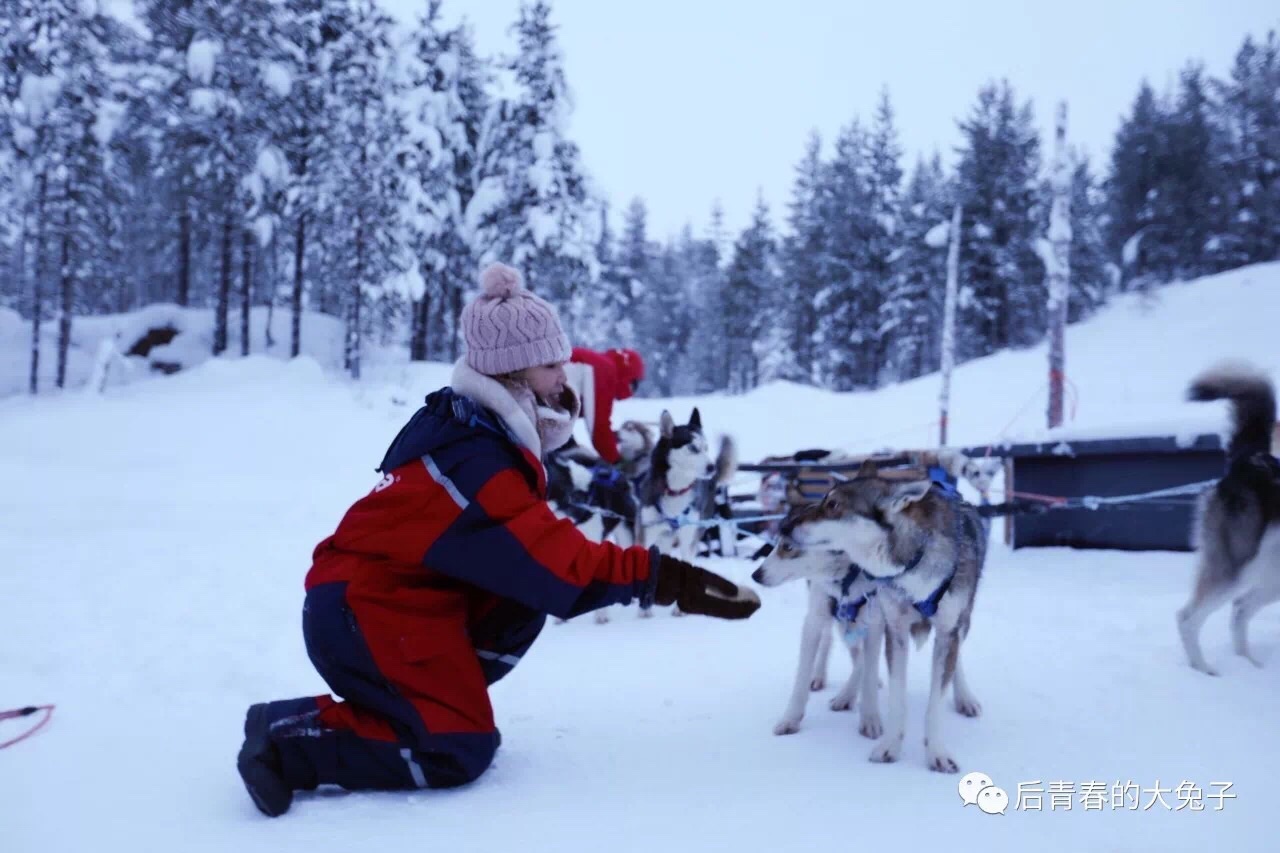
(507, 328)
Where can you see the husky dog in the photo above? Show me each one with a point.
(902, 558)
(977, 472)
(673, 491)
(1237, 524)
(635, 446)
(597, 498)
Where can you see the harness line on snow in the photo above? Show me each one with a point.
(18, 713)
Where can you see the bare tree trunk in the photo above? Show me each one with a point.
(184, 251)
(357, 297)
(1057, 260)
(949, 323)
(246, 287)
(224, 288)
(37, 289)
(68, 285)
(418, 325)
(455, 296)
(272, 277)
(299, 251)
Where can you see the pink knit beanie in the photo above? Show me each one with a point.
(507, 328)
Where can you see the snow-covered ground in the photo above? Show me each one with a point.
(155, 537)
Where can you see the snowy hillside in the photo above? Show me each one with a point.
(1127, 370)
(156, 536)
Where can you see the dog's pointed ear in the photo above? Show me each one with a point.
(667, 424)
(908, 493)
(695, 420)
(868, 468)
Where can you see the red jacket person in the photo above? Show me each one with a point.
(600, 379)
(436, 583)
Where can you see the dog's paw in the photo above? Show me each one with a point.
(940, 762)
(602, 617)
(676, 611)
(870, 726)
(840, 702)
(646, 612)
(1205, 668)
(560, 621)
(968, 707)
(1251, 658)
(786, 726)
(886, 753)
(817, 683)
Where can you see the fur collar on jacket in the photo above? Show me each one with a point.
(539, 428)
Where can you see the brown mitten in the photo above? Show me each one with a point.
(699, 591)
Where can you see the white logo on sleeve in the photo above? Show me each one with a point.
(387, 480)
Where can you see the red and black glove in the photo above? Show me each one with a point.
(699, 591)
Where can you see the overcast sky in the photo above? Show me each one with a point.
(685, 101)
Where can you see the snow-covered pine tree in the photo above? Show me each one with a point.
(664, 317)
(456, 146)
(228, 115)
(12, 194)
(366, 240)
(72, 54)
(309, 38)
(803, 262)
(1198, 183)
(1093, 276)
(635, 268)
(884, 185)
(1250, 118)
(708, 343)
(1168, 191)
(550, 228)
(848, 321)
(610, 319)
(750, 282)
(1003, 296)
(34, 89)
(911, 318)
(1138, 226)
(163, 119)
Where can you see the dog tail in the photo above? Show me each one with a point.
(1253, 403)
(726, 461)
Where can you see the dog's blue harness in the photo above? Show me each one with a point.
(675, 522)
(944, 483)
(848, 607)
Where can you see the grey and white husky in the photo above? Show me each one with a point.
(980, 473)
(673, 492)
(900, 558)
(1236, 530)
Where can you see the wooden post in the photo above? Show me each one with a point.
(1057, 268)
(949, 323)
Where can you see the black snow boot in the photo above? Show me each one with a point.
(261, 767)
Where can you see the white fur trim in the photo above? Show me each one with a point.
(493, 395)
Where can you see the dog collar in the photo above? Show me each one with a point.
(673, 493)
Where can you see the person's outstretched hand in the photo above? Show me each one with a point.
(699, 591)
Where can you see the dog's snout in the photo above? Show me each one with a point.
(758, 576)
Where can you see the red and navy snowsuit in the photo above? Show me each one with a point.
(433, 587)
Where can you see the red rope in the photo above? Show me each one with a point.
(26, 712)
(1049, 499)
